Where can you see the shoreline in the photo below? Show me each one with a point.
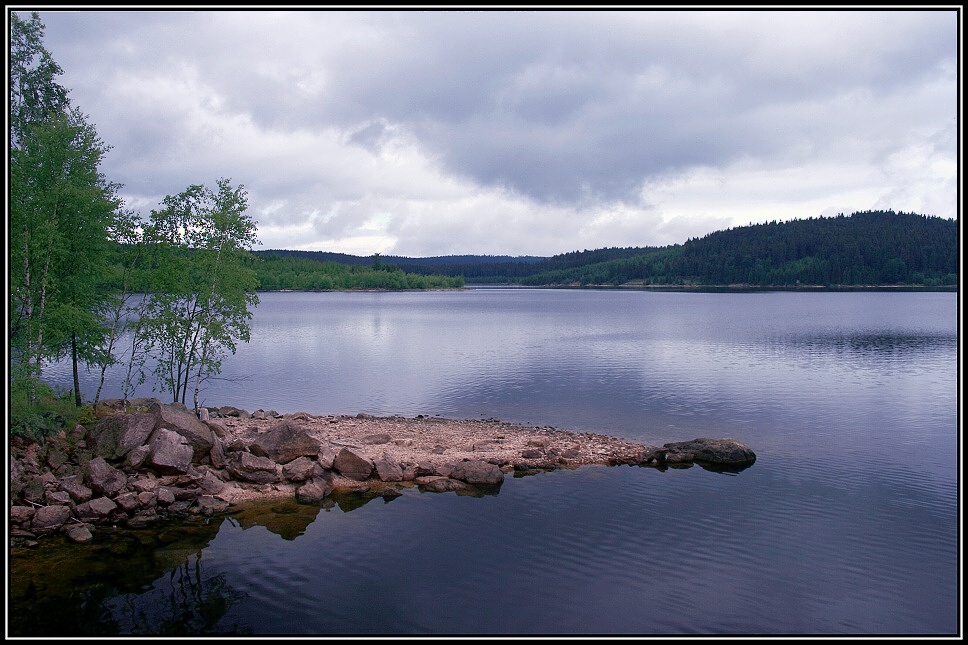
(428, 448)
(632, 286)
(744, 288)
(145, 461)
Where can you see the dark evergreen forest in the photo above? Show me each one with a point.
(866, 248)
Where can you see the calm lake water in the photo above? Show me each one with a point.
(846, 524)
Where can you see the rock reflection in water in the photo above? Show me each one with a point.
(153, 581)
(63, 589)
(145, 581)
(286, 518)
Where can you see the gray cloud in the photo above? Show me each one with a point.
(521, 131)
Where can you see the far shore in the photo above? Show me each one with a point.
(692, 288)
(728, 288)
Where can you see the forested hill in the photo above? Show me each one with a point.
(866, 248)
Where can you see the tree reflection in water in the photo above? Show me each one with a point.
(184, 602)
(128, 582)
(151, 581)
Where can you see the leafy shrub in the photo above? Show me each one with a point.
(38, 410)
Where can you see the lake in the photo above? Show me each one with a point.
(846, 524)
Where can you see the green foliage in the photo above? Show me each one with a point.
(199, 286)
(35, 95)
(37, 410)
(60, 209)
(86, 415)
(123, 307)
(77, 257)
(276, 272)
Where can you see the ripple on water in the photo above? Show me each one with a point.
(847, 523)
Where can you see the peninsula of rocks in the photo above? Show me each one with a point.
(144, 460)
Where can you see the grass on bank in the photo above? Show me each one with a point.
(38, 410)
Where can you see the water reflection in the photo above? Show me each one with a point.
(287, 519)
(138, 582)
(871, 346)
(155, 581)
(94, 589)
(187, 601)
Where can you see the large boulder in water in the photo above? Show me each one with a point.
(477, 472)
(316, 489)
(387, 469)
(253, 468)
(722, 452)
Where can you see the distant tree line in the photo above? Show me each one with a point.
(864, 248)
(478, 268)
(279, 271)
(482, 269)
(473, 268)
(318, 256)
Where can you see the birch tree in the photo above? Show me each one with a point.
(122, 309)
(61, 208)
(198, 307)
(35, 97)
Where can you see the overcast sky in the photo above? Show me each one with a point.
(425, 133)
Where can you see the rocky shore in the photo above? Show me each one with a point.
(144, 461)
